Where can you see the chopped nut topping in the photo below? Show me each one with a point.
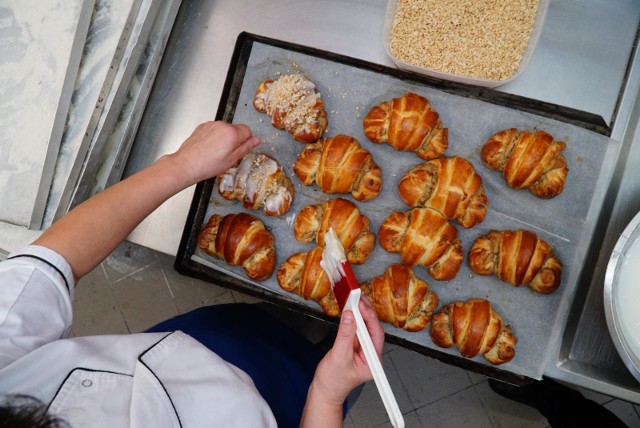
(481, 38)
(294, 94)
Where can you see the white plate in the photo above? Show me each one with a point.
(622, 296)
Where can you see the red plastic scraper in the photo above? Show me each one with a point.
(347, 291)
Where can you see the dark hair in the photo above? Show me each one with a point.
(23, 411)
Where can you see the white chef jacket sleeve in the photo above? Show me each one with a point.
(36, 290)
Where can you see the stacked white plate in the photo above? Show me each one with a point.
(622, 296)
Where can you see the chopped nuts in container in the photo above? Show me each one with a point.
(481, 42)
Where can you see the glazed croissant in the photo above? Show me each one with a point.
(402, 299)
(424, 237)
(408, 123)
(528, 161)
(240, 240)
(302, 274)
(343, 216)
(451, 186)
(294, 105)
(517, 257)
(340, 165)
(476, 329)
(259, 182)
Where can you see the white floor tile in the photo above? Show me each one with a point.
(126, 259)
(460, 410)
(95, 308)
(508, 413)
(425, 379)
(369, 410)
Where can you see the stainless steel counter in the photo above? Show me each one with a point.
(582, 61)
(586, 353)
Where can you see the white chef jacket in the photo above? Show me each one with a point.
(137, 380)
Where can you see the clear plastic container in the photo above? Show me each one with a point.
(541, 13)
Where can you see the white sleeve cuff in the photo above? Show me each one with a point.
(50, 262)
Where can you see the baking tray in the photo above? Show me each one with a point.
(350, 87)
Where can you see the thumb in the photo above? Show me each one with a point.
(346, 334)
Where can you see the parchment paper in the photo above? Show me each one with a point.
(565, 222)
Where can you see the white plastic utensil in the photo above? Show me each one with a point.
(347, 291)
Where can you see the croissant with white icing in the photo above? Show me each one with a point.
(260, 183)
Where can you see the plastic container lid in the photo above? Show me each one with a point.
(541, 13)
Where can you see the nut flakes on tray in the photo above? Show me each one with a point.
(469, 204)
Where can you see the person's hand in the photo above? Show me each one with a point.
(212, 148)
(110, 216)
(345, 367)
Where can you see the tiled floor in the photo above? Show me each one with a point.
(136, 288)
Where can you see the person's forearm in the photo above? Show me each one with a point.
(319, 412)
(91, 231)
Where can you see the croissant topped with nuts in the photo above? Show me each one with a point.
(407, 123)
(517, 257)
(294, 105)
(449, 185)
(240, 240)
(528, 161)
(302, 274)
(476, 329)
(340, 165)
(343, 216)
(401, 299)
(423, 237)
(259, 182)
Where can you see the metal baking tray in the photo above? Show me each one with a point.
(350, 87)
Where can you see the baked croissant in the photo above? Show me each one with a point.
(424, 237)
(517, 257)
(402, 299)
(451, 186)
(340, 165)
(343, 216)
(528, 161)
(476, 329)
(408, 123)
(240, 240)
(302, 274)
(294, 105)
(259, 182)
